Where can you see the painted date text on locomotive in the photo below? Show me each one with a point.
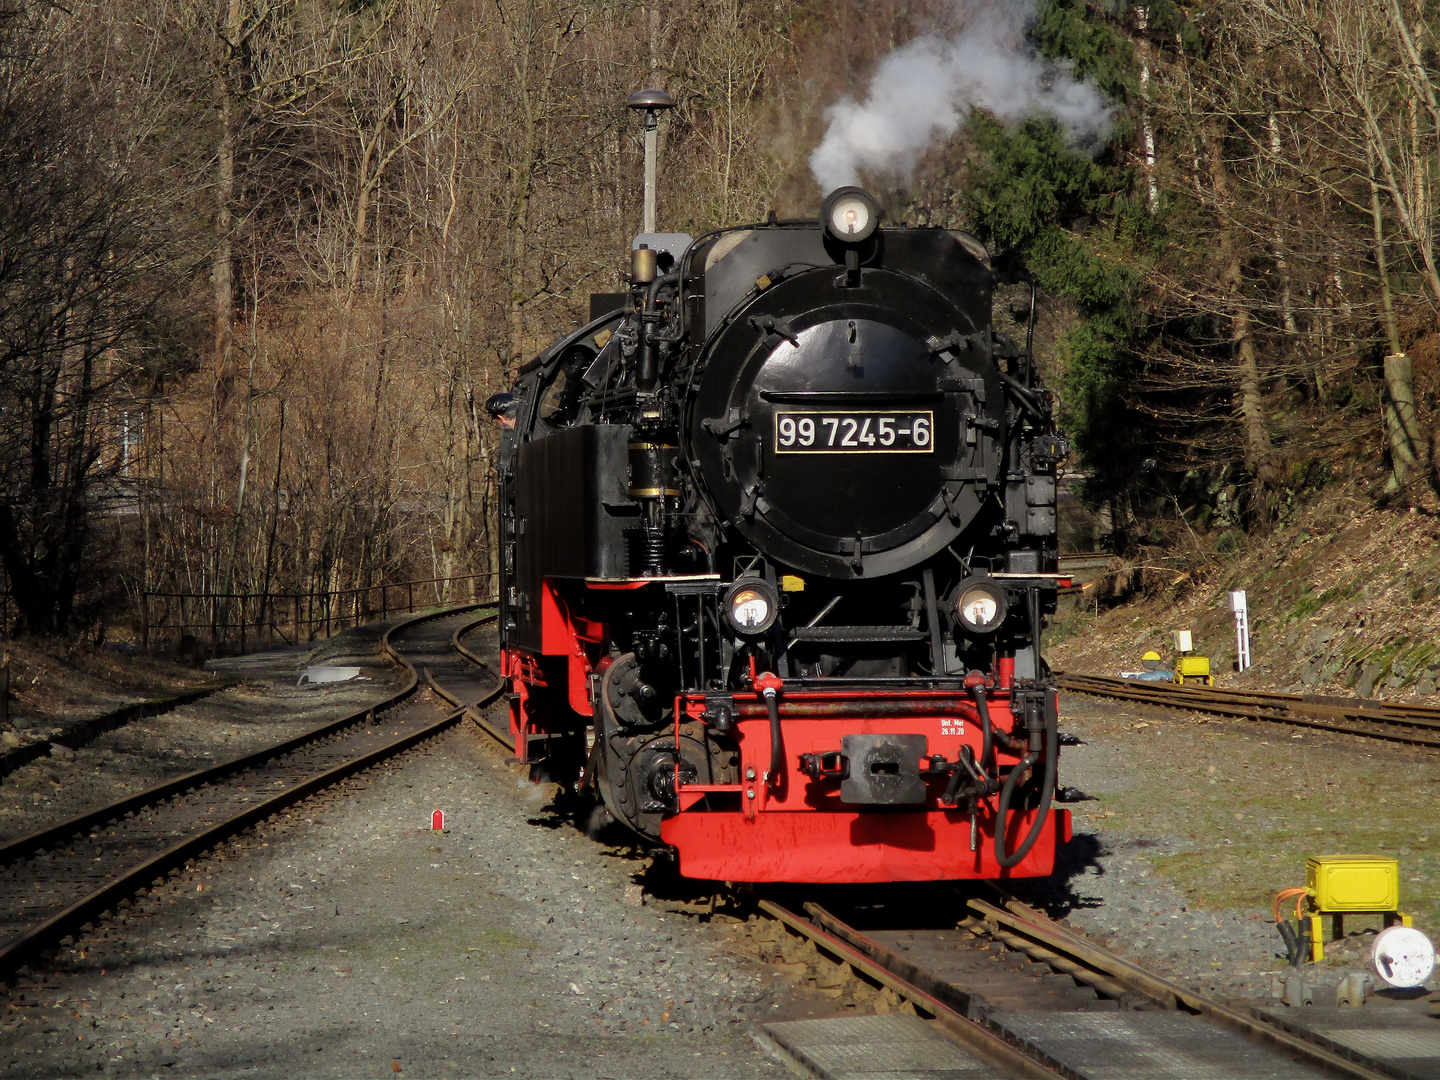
(854, 431)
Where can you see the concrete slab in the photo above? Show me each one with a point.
(1405, 1042)
(877, 1048)
(1146, 1046)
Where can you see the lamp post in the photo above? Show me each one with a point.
(651, 103)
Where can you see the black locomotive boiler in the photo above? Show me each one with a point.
(779, 543)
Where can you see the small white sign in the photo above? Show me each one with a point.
(1241, 607)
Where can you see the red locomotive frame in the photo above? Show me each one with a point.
(797, 829)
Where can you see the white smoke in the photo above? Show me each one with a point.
(924, 91)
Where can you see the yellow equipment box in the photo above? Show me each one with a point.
(1353, 882)
(1193, 669)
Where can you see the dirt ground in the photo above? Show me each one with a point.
(52, 683)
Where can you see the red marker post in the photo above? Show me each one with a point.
(437, 820)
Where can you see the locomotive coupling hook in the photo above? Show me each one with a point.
(769, 684)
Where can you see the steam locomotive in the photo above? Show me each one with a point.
(779, 540)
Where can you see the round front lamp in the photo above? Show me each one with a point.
(751, 606)
(980, 605)
(850, 214)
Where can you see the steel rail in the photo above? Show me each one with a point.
(972, 1034)
(1026, 922)
(28, 845)
(1425, 715)
(1091, 976)
(1034, 933)
(87, 731)
(72, 919)
(1416, 725)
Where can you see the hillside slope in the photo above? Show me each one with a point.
(1344, 599)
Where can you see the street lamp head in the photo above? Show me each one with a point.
(650, 101)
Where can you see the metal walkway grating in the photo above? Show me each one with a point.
(1146, 1046)
(878, 1048)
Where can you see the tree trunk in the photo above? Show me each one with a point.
(221, 269)
(1258, 452)
(1401, 428)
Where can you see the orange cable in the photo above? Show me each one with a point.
(1299, 893)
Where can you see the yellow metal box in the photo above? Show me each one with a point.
(1192, 667)
(1353, 882)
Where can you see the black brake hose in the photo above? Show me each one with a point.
(777, 744)
(1025, 397)
(987, 745)
(993, 734)
(1047, 794)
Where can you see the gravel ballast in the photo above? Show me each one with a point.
(263, 708)
(1198, 822)
(351, 940)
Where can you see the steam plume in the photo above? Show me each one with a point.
(924, 91)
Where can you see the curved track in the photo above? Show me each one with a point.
(1392, 721)
(57, 880)
(457, 687)
(1021, 991)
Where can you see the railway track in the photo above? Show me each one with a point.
(56, 882)
(1030, 997)
(1418, 725)
(456, 686)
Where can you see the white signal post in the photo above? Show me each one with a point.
(1241, 608)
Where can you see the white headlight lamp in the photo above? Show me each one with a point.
(751, 606)
(980, 605)
(850, 214)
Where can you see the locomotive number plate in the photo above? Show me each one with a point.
(854, 431)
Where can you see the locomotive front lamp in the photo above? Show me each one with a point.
(751, 605)
(980, 606)
(850, 214)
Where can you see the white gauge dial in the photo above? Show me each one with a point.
(1404, 957)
